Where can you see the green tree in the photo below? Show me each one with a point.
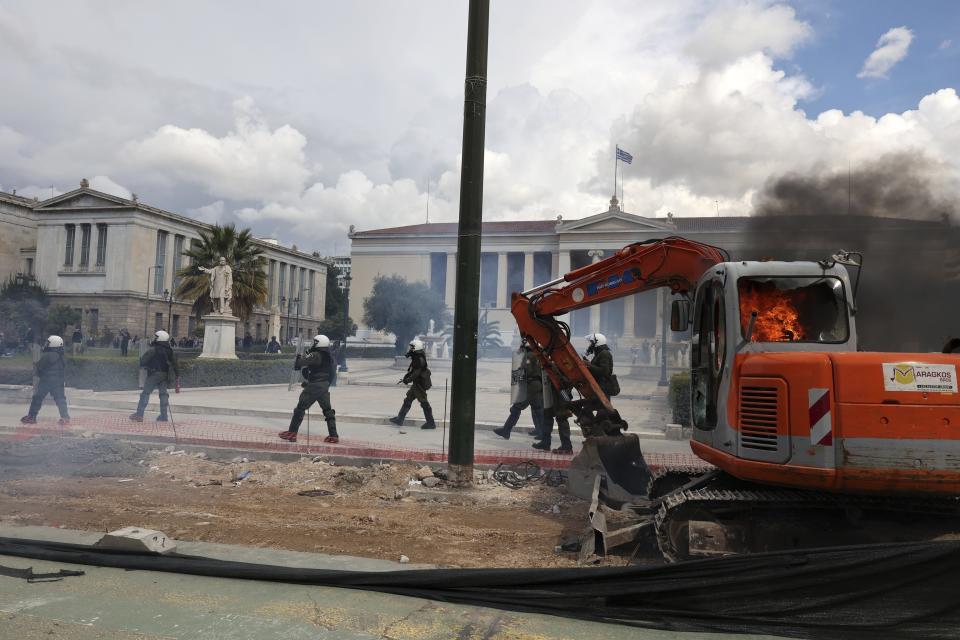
(402, 308)
(244, 257)
(59, 316)
(336, 299)
(488, 334)
(23, 306)
(333, 327)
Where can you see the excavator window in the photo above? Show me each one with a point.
(793, 309)
(708, 355)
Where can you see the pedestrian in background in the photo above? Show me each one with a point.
(77, 341)
(124, 341)
(273, 346)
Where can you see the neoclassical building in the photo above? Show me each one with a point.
(115, 260)
(521, 253)
(516, 255)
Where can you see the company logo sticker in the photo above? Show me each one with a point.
(916, 376)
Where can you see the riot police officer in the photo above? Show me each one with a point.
(163, 370)
(418, 377)
(318, 369)
(50, 379)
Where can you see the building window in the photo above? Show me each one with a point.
(177, 260)
(71, 238)
(161, 262)
(488, 279)
(84, 246)
(542, 267)
(174, 325)
(291, 294)
(645, 314)
(191, 325)
(29, 267)
(438, 273)
(101, 245)
(259, 336)
(157, 321)
(515, 268)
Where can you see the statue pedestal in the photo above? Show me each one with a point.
(219, 337)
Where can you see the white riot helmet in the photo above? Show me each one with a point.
(321, 340)
(54, 342)
(161, 336)
(416, 344)
(597, 339)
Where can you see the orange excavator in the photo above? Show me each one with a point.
(808, 440)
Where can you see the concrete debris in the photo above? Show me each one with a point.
(202, 455)
(178, 453)
(402, 432)
(555, 509)
(137, 539)
(404, 559)
(424, 472)
(431, 482)
(169, 448)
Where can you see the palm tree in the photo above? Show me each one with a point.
(488, 334)
(244, 257)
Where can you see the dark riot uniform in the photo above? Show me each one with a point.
(50, 378)
(318, 369)
(418, 377)
(163, 369)
(533, 375)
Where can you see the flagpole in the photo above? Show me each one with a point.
(616, 159)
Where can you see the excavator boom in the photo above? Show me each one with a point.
(672, 262)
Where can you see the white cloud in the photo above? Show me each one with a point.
(106, 185)
(249, 162)
(736, 30)
(212, 213)
(946, 44)
(891, 48)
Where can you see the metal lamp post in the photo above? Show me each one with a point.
(283, 301)
(169, 298)
(346, 320)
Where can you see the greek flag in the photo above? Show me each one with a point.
(624, 156)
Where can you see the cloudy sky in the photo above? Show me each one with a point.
(300, 118)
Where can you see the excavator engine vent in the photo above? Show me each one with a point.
(762, 410)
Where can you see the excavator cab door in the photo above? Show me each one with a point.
(709, 354)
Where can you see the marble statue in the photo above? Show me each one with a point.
(221, 286)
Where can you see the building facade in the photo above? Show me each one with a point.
(904, 256)
(116, 260)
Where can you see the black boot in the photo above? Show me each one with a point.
(404, 408)
(332, 436)
(428, 414)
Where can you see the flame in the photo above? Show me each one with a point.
(777, 317)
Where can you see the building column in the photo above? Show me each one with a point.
(527, 271)
(629, 310)
(596, 255)
(502, 293)
(451, 289)
(563, 264)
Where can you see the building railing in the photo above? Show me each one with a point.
(82, 268)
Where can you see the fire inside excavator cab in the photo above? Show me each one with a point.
(793, 309)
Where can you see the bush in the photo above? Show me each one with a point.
(679, 398)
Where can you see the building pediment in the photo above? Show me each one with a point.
(83, 199)
(614, 220)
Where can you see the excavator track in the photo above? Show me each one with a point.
(745, 505)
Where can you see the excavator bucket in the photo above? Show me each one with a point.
(619, 463)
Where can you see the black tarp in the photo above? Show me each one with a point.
(908, 590)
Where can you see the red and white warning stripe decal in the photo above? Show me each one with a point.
(821, 425)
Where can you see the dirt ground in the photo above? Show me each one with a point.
(378, 511)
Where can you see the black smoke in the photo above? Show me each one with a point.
(897, 211)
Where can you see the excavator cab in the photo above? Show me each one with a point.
(743, 309)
